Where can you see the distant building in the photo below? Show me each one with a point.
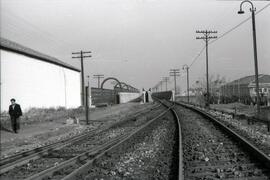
(192, 92)
(35, 79)
(264, 88)
(243, 89)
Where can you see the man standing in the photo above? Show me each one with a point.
(15, 112)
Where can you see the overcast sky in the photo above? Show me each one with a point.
(139, 41)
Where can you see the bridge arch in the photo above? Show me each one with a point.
(122, 85)
(110, 78)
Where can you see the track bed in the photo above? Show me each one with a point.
(210, 153)
(150, 154)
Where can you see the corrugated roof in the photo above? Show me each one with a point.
(263, 78)
(15, 47)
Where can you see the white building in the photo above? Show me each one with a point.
(35, 79)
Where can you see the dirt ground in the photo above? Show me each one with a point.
(39, 134)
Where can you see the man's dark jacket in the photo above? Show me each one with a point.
(16, 112)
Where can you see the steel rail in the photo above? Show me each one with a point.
(22, 158)
(84, 168)
(83, 156)
(9, 163)
(249, 118)
(180, 148)
(250, 147)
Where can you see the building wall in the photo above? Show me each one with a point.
(35, 83)
(109, 96)
(234, 90)
(264, 90)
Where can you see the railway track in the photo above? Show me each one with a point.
(48, 162)
(257, 139)
(162, 146)
(256, 134)
(132, 157)
(213, 151)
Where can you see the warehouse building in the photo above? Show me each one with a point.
(243, 89)
(264, 90)
(35, 79)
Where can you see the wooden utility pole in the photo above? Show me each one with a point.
(174, 73)
(206, 37)
(87, 105)
(186, 67)
(82, 55)
(161, 84)
(98, 76)
(88, 79)
(166, 80)
(239, 96)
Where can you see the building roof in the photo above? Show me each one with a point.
(17, 48)
(263, 78)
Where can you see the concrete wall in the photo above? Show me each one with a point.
(35, 83)
(128, 96)
(110, 96)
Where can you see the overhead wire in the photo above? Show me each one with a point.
(12, 25)
(21, 20)
(238, 25)
(226, 33)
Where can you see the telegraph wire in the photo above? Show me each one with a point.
(28, 33)
(226, 33)
(198, 55)
(37, 29)
(238, 25)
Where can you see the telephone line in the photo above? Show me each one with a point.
(226, 33)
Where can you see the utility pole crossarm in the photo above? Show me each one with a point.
(84, 52)
(98, 76)
(200, 38)
(175, 73)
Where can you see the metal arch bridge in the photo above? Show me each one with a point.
(120, 85)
